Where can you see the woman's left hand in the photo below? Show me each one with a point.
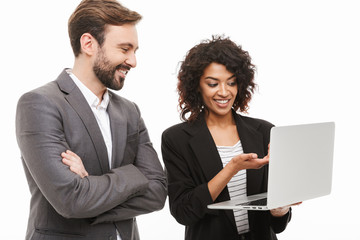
(281, 211)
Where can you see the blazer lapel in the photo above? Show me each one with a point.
(252, 142)
(78, 102)
(118, 125)
(208, 157)
(205, 150)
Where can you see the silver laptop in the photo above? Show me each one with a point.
(300, 167)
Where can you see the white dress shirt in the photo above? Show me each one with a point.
(101, 115)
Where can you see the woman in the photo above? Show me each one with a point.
(217, 154)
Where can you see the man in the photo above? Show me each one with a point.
(88, 159)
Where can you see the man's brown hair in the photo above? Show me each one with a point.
(92, 16)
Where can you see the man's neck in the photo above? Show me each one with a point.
(89, 79)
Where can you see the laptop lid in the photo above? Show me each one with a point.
(301, 163)
(300, 166)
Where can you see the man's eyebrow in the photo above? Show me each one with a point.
(127, 45)
(216, 79)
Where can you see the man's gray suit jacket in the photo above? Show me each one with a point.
(56, 117)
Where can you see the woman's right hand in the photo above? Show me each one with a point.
(240, 162)
(247, 161)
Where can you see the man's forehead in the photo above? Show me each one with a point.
(125, 35)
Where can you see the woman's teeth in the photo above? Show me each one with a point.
(222, 101)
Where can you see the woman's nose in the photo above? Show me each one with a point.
(223, 90)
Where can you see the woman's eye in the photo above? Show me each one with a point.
(212, 84)
(232, 83)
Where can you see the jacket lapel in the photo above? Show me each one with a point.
(78, 102)
(118, 125)
(205, 150)
(252, 142)
(208, 157)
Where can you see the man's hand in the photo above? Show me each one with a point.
(75, 163)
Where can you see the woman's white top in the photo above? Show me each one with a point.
(237, 184)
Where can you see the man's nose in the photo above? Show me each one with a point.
(131, 60)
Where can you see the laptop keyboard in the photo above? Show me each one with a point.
(259, 202)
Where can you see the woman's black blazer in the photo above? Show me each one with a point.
(192, 160)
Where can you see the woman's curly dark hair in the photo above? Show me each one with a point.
(216, 50)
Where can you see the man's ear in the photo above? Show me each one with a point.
(88, 44)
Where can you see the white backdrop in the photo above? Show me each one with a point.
(307, 55)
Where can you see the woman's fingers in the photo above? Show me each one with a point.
(250, 161)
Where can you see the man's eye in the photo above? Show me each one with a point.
(125, 49)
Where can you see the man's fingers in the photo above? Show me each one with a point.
(66, 161)
(73, 154)
(75, 170)
(67, 155)
(69, 162)
(74, 162)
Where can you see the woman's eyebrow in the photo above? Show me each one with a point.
(216, 79)
(212, 78)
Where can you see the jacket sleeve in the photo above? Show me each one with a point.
(279, 224)
(188, 201)
(154, 197)
(41, 138)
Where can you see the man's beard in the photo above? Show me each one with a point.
(105, 72)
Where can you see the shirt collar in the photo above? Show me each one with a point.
(90, 97)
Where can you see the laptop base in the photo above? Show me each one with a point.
(248, 203)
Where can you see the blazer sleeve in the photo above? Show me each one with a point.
(154, 197)
(279, 224)
(41, 138)
(188, 200)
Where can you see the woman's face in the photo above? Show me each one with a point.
(218, 88)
